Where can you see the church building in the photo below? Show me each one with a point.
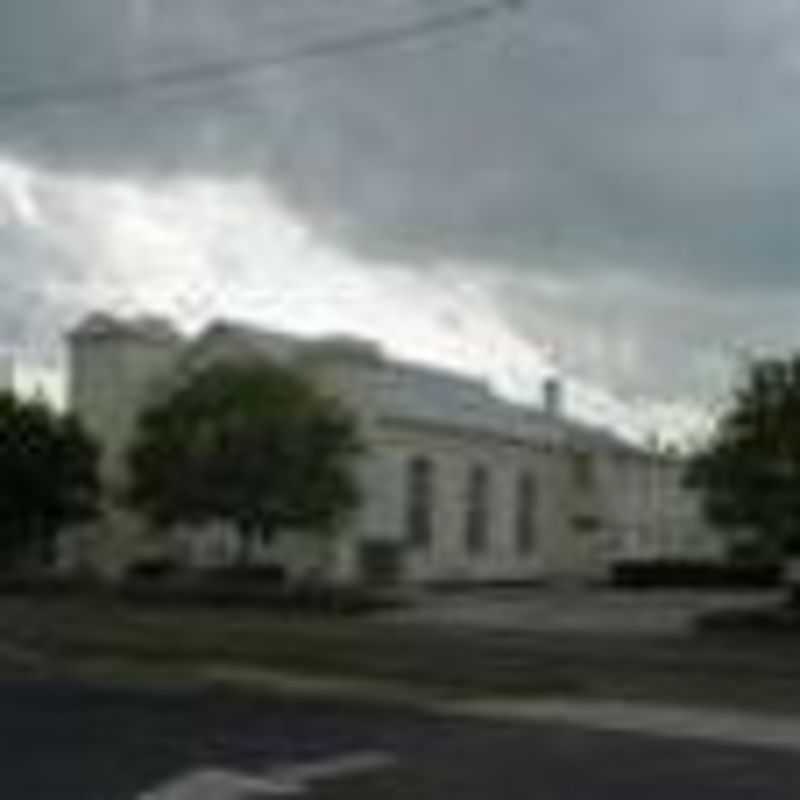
(459, 485)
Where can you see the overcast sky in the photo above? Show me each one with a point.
(609, 189)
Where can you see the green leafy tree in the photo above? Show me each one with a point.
(48, 477)
(750, 470)
(252, 443)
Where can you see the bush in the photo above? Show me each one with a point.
(250, 574)
(152, 569)
(674, 574)
(260, 588)
(750, 620)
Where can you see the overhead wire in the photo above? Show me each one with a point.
(202, 74)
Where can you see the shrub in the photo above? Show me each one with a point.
(152, 569)
(750, 620)
(250, 574)
(260, 588)
(672, 573)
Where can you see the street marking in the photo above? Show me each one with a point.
(331, 768)
(219, 784)
(283, 781)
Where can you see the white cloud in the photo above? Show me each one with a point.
(198, 249)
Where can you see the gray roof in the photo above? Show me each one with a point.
(407, 391)
(437, 397)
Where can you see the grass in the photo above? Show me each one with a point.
(74, 631)
(724, 670)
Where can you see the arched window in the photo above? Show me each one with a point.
(419, 502)
(525, 517)
(477, 510)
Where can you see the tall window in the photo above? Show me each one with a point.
(583, 470)
(477, 505)
(525, 520)
(419, 508)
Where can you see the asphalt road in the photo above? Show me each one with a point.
(69, 741)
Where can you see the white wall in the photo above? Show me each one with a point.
(112, 377)
(404, 412)
(656, 516)
(447, 556)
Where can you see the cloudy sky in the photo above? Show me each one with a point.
(604, 189)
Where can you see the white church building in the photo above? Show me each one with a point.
(459, 485)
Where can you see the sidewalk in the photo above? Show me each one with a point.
(776, 731)
(716, 725)
(772, 731)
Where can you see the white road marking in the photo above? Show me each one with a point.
(284, 781)
(219, 784)
(331, 768)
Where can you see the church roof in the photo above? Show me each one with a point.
(403, 391)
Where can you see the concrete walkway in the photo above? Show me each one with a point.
(722, 726)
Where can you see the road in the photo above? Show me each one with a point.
(69, 741)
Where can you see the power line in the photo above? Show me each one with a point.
(37, 98)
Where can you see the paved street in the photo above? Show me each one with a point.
(63, 741)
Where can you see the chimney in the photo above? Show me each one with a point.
(553, 392)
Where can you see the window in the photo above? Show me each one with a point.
(525, 520)
(419, 514)
(477, 505)
(583, 473)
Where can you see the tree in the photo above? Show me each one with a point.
(48, 477)
(749, 472)
(252, 443)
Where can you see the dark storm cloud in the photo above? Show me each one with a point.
(649, 339)
(566, 139)
(657, 134)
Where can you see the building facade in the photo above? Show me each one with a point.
(6, 372)
(459, 485)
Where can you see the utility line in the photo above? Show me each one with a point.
(37, 98)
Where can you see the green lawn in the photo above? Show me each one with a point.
(70, 631)
(752, 672)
